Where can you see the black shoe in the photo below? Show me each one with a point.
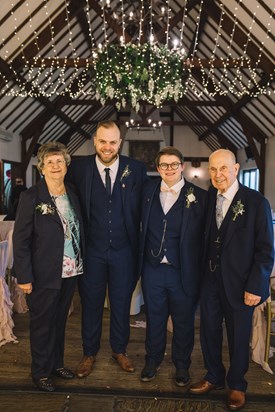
(149, 371)
(182, 377)
(63, 373)
(44, 384)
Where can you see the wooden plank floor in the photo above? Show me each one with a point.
(108, 388)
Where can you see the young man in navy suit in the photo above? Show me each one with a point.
(109, 187)
(238, 261)
(173, 214)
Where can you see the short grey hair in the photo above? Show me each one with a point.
(51, 148)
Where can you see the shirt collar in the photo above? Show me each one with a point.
(230, 193)
(177, 187)
(101, 167)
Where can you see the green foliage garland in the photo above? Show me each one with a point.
(132, 73)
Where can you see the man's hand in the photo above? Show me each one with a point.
(250, 299)
(26, 288)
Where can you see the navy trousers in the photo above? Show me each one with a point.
(115, 269)
(214, 309)
(163, 296)
(49, 310)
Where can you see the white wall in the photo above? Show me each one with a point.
(10, 150)
(184, 140)
(190, 146)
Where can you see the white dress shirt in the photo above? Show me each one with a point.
(113, 170)
(229, 196)
(168, 198)
(170, 195)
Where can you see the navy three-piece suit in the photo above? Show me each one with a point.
(238, 258)
(112, 242)
(171, 288)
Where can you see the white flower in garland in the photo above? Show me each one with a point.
(131, 73)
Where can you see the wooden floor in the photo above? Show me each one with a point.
(108, 388)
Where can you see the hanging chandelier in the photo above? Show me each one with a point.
(133, 73)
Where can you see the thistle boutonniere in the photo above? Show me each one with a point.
(238, 209)
(45, 209)
(126, 172)
(190, 197)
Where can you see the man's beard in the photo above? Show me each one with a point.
(108, 159)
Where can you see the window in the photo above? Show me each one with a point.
(250, 178)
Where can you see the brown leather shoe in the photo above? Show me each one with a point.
(123, 361)
(84, 368)
(204, 386)
(236, 400)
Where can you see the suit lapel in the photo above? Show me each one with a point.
(43, 196)
(211, 210)
(186, 210)
(148, 199)
(89, 173)
(125, 182)
(234, 225)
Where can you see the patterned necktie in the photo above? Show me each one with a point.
(108, 180)
(219, 213)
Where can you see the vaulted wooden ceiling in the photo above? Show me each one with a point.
(46, 52)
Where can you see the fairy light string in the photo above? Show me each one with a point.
(39, 77)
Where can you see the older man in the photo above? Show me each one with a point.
(238, 262)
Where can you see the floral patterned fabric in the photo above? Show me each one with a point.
(72, 261)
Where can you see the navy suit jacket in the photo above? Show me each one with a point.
(81, 172)
(248, 248)
(38, 239)
(191, 238)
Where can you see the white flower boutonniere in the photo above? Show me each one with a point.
(126, 172)
(238, 209)
(45, 209)
(190, 197)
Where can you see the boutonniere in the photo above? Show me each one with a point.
(238, 209)
(190, 197)
(126, 172)
(45, 209)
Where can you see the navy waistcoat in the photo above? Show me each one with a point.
(163, 235)
(107, 227)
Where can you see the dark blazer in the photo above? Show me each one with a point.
(192, 233)
(39, 239)
(80, 173)
(248, 248)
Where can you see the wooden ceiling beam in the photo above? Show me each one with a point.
(235, 110)
(84, 120)
(189, 63)
(41, 41)
(161, 34)
(240, 37)
(223, 140)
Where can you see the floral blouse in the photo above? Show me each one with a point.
(72, 261)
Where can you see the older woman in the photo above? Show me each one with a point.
(47, 243)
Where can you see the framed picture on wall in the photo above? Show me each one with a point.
(145, 151)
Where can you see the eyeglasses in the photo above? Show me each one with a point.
(173, 166)
(50, 163)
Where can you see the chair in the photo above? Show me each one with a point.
(17, 296)
(6, 321)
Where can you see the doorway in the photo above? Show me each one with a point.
(10, 171)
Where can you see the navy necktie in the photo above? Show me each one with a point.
(108, 180)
